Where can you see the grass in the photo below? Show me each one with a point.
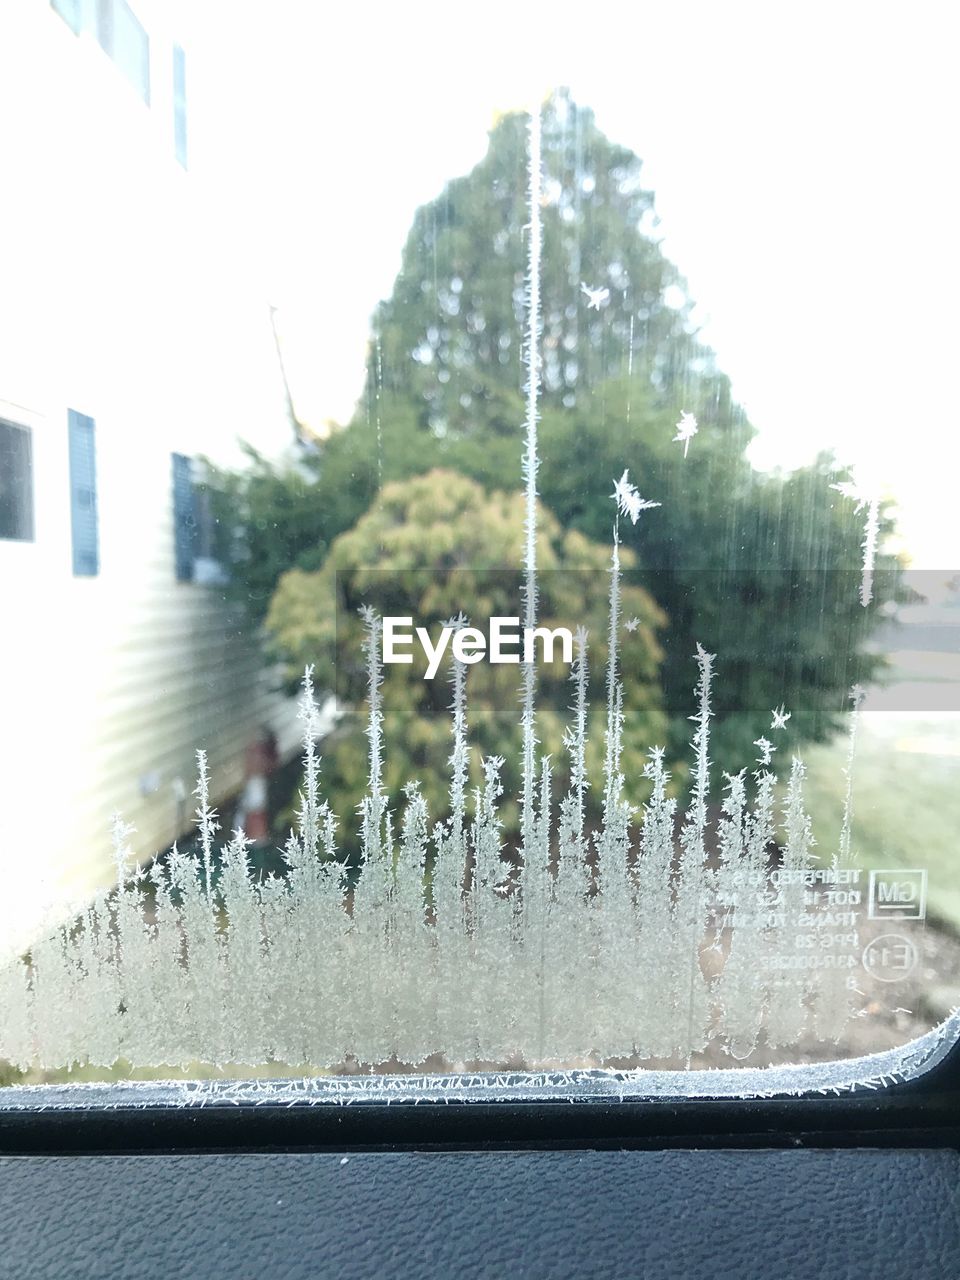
(906, 799)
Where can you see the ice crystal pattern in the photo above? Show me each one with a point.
(686, 429)
(628, 500)
(595, 952)
(596, 298)
(870, 501)
(571, 943)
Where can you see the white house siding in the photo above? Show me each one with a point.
(118, 299)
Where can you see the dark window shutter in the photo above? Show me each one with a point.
(184, 517)
(83, 495)
(16, 482)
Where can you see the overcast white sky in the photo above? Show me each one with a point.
(803, 158)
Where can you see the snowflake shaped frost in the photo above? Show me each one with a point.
(686, 430)
(632, 623)
(655, 763)
(628, 500)
(780, 717)
(848, 489)
(596, 298)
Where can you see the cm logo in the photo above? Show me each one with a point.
(897, 895)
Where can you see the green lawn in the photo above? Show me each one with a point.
(906, 798)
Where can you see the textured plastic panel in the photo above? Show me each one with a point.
(855, 1215)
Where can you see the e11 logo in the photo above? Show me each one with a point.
(897, 895)
(890, 957)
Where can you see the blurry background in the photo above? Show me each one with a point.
(260, 328)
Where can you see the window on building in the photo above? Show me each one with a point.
(197, 537)
(727, 842)
(71, 12)
(122, 36)
(184, 517)
(84, 524)
(16, 483)
(180, 104)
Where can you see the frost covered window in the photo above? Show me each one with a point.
(570, 676)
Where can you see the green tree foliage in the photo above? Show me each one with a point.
(448, 338)
(763, 570)
(429, 548)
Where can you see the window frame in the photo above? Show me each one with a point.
(920, 1110)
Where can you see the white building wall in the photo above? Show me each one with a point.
(118, 299)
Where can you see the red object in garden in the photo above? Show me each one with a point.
(260, 760)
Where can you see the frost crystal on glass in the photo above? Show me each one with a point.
(596, 298)
(870, 501)
(577, 944)
(686, 430)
